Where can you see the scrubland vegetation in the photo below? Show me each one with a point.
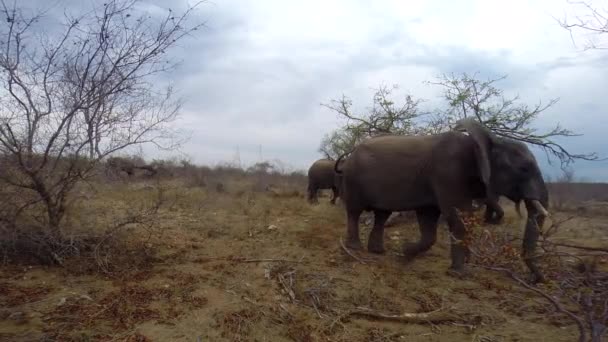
(96, 246)
(230, 254)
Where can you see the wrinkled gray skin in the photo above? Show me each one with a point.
(438, 174)
(321, 175)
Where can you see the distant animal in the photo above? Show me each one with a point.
(437, 175)
(321, 175)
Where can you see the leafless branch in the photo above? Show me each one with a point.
(594, 21)
(70, 99)
(558, 306)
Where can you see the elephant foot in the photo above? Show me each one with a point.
(375, 247)
(411, 249)
(459, 272)
(354, 244)
(536, 278)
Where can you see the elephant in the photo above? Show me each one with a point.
(441, 174)
(321, 175)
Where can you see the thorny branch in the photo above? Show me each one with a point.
(558, 306)
(580, 285)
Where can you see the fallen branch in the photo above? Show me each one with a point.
(436, 316)
(595, 249)
(288, 289)
(245, 260)
(351, 253)
(266, 260)
(555, 303)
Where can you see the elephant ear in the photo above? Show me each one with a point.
(483, 144)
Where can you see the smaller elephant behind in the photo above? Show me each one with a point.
(321, 175)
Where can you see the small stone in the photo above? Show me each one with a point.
(272, 227)
(87, 297)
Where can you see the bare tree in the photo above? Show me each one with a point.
(385, 116)
(467, 96)
(594, 22)
(70, 99)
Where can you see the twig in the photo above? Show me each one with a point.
(350, 253)
(245, 260)
(436, 316)
(266, 260)
(596, 249)
(289, 291)
(316, 309)
(556, 304)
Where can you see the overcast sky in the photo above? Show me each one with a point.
(255, 77)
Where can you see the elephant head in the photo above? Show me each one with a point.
(508, 168)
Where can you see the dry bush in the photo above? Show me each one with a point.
(71, 98)
(576, 290)
(271, 177)
(98, 234)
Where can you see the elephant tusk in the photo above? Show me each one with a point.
(539, 207)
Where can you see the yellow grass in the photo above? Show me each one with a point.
(245, 265)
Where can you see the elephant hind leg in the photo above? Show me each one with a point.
(375, 242)
(352, 229)
(312, 193)
(335, 195)
(428, 218)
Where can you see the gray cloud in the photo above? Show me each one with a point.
(257, 73)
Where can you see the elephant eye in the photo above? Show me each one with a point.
(524, 169)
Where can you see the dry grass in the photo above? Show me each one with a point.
(255, 262)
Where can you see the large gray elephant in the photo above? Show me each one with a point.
(441, 174)
(321, 175)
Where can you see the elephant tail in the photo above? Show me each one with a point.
(338, 163)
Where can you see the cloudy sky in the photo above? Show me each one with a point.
(255, 77)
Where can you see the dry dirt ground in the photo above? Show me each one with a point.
(260, 266)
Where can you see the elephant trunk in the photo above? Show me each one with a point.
(536, 217)
(535, 197)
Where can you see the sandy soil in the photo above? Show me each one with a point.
(265, 267)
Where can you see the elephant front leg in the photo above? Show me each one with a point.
(458, 248)
(427, 224)
(352, 239)
(375, 242)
